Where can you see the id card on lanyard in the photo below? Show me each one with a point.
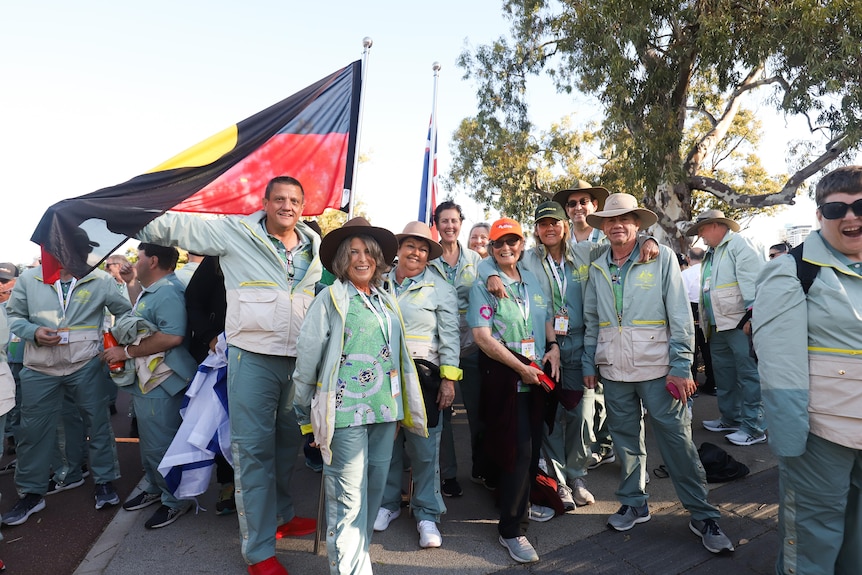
(561, 317)
(528, 344)
(386, 328)
(64, 298)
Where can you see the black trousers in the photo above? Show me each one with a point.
(701, 346)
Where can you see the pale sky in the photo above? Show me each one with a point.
(97, 92)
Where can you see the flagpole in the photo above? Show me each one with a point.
(367, 42)
(432, 155)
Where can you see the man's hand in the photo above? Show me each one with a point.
(686, 386)
(529, 374)
(113, 355)
(128, 273)
(46, 336)
(495, 287)
(590, 381)
(554, 357)
(446, 394)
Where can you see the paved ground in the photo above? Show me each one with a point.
(576, 542)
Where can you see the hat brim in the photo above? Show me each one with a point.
(646, 218)
(436, 249)
(598, 192)
(695, 228)
(384, 238)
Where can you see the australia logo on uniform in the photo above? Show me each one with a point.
(645, 280)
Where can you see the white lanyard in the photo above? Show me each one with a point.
(563, 283)
(387, 330)
(525, 310)
(64, 301)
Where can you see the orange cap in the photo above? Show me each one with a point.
(505, 227)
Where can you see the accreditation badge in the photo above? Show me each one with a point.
(528, 347)
(561, 322)
(395, 382)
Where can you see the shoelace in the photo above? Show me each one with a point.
(711, 527)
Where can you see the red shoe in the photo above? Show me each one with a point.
(270, 566)
(296, 527)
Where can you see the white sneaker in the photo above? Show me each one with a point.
(541, 513)
(744, 439)
(429, 535)
(384, 518)
(581, 494)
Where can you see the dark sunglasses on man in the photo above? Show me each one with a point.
(837, 210)
(576, 203)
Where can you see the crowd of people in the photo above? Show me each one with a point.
(351, 347)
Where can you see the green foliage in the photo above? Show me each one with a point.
(675, 80)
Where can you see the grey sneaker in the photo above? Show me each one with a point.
(141, 500)
(520, 549)
(580, 493)
(541, 513)
(106, 495)
(628, 516)
(564, 492)
(58, 486)
(719, 426)
(745, 439)
(26, 506)
(711, 534)
(164, 516)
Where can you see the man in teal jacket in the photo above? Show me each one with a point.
(61, 325)
(270, 264)
(728, 280)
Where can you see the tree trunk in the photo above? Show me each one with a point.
(671, 203)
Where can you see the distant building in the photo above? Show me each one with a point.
(795, 235)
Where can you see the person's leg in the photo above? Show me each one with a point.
(625, 420)
(70, 448)
(424, 452)
(728, 394)
(603, 443)
(92, 401)
(470, 385)
(515, 484)
(158, 420)
(41, 407)
(813, 507)
(288, 440)
(850, 556)
(395, 478)
(379, 455)
(748, 381)
(253, 396)
(671, 426)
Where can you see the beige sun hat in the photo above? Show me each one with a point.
(618, 205)
(599, 193)
(423, 232)
(356, 227)
(709, 217)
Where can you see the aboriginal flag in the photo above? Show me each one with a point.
(310, 136)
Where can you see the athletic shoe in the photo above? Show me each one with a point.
(581, 495)
(269, 566)
(541, 513)
(629, 516)
(58, 486)
(564, 492)
(26, 506)
(429, 535)
(385, 517)
(106, 495)
(164, 516)
(226, 503)
(141, 500)
(600, 458)
(520, 549)
(451, 488)
(296, 527)
(719, 426)
(711, 534)
(745, 439)
(85, 471)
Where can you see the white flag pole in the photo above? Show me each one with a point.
(432, 153)
(366, 45)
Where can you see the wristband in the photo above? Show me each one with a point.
(126, 351)
(551, 344)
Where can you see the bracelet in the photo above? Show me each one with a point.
(551, 344)
(126, 351)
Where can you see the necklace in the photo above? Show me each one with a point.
(619, 261)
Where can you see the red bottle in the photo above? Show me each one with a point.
(110, 341)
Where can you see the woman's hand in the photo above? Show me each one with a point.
(554, 357)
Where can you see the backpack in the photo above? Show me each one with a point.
(720, 466)
(805, 271)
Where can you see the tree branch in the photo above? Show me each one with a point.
(703, 112)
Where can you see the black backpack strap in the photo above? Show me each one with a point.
(805, 271)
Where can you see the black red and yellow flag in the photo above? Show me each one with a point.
(310, 135)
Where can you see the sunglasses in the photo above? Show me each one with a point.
(511, 242)
(576, 203)
(837, 210)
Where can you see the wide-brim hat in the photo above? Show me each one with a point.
(505, 227)
(358, 226)
(709, 217)
(618, 205)
(599, 193)
(423, 232)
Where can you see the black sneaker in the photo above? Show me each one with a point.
(58, 486)
(164, 516)
(451, 488)
(26, 506)
(141, 500)
(106, 495)
(226, 503)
